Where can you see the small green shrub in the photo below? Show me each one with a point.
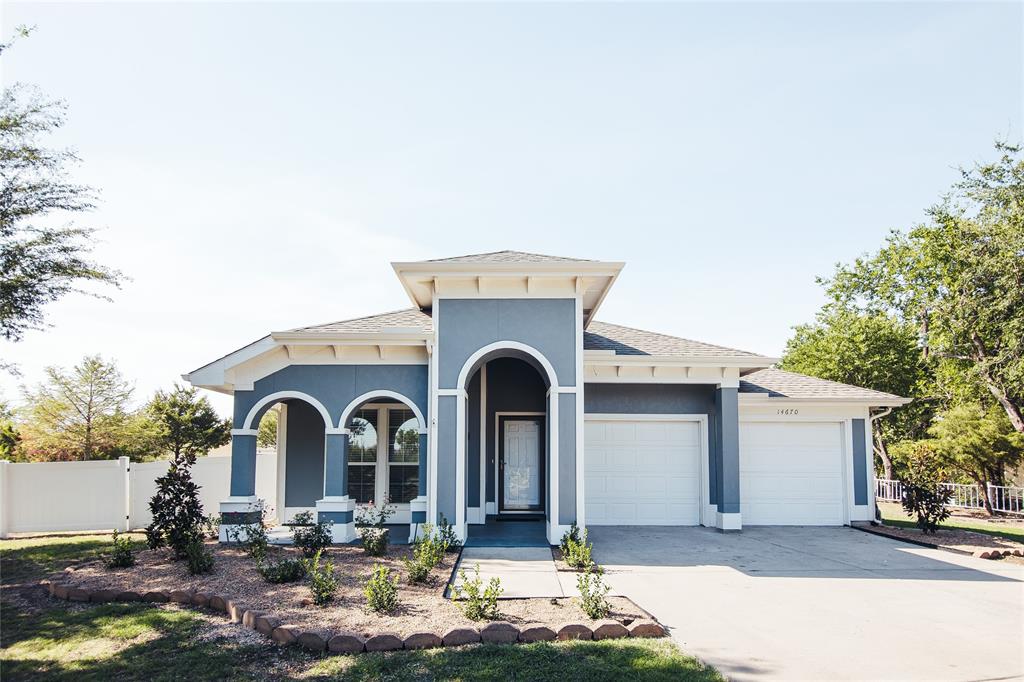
(375, 515)
(476, 601)
(593, 591)
(283, 571)
(121, 554)
(198, 559)
(431, 548)
(577, 553)
(322, 582)
(375, 540)
(446, 532)
(308, 536)
(927, 501)
(381, 590)
(571, 535)
(416, 571)
(253, 537)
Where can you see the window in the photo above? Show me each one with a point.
(362, 455)
(403, 455)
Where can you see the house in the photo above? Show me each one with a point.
(499, 393)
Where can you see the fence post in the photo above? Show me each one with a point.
(126, 488)
(4, 473)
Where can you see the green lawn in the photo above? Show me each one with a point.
(893, 515)
(43, 639)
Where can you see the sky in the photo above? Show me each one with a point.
(260, 165)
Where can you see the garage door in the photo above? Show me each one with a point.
(642, 472)
(791, 474)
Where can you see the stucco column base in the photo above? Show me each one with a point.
(555, 532)
(340, 511)
(729, 522)
(418, 510)
(236, 512)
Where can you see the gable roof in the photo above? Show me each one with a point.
(405, 318)
(777, 383)
(629, 341)
(508, 257)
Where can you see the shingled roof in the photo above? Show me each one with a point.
(777, 383)
(508, 257)
(407, 318)
(629, 341)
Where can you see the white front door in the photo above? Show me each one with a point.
(521, 466)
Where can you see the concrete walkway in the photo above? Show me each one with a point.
(822, 603)
(523, 571)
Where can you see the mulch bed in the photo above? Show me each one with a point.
(952, 539)
(284, 612)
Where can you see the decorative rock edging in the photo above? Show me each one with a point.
(343, 642)
(978, 554)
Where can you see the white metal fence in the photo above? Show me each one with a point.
(108, 494)
(1003, 498)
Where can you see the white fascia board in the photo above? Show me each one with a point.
(762, 399)
(211, 375)
(397, 338)
(605, 359)
(600, 299)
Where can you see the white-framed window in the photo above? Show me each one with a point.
(390, 430)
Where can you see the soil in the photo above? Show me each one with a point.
(422, 607)
(951, 538)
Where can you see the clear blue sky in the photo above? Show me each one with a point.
(261, 163)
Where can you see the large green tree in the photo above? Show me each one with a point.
(959, 279)
(40, 261)
(876, 351)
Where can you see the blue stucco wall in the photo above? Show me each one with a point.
(304, 455)
(860, 463)
(566, 458)
(446, 407)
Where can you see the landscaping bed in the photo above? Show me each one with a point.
(953, 539)
(423, 611)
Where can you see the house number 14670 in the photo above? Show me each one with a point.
(789, 411)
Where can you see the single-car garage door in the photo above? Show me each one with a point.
(642, 472)
(791, 473)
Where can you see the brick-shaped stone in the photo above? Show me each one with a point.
(645, 628)
(285, 634)
(128, 595)
(102, 596)
(313, 640)
(460, 636)
(180, 597)
(384, 641)
(346, 643)
(249, 618)
(570, 631)
(235, 611)
(155, 596)
(422, 640)
(200, 599)
(59, 591)
(217, 603)
(609, 629)
(265, 624)
(535, 632)
(499, 633)
(77, 594)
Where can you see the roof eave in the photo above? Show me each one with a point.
(889, 401)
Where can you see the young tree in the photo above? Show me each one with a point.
(78, 414)
(39, 263)
(959, 279)
(875, 351)
(978, 443)
(9, 436)
(266, 435)
(186, 426)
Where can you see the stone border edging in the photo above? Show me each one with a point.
(979, 554)
(347, 642)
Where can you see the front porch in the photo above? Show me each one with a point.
(508, 532)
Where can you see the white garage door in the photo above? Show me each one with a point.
(642, 472)
(791, 474)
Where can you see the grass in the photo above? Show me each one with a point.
(43, 639)
(893, 515)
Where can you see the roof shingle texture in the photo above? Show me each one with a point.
(508, 257)
(778, 383)
(629, 341)
(409, 317)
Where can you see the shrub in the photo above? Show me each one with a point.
(198, 558)
(577, 553)
(375, 540)
(431, 548)
(571, 535)
(592, 593)
(416, 571)
(253, 537)
(476, 601)
(447, 534)
(375, 515)
(381, 590)
(322, 582)
(121, 555)
(176, 510)
(308, 536)
(283, 571)
(928, 502)
(211, 526)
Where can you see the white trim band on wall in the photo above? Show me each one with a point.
(381, 393)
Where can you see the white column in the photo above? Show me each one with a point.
(460, 465)
(554, 532)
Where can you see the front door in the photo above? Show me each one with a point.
(522, 475)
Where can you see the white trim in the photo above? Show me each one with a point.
(380, 393)
(282, 458)
(483, 442)
(729, 521)
(460, 468)
(245, 432)
(553, 535)
(432, 439)
(706, 511)
(507, 345)
(337, 432)
(457, 392)
(286, 395)
(581, 519)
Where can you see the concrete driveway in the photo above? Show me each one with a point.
(822, 603)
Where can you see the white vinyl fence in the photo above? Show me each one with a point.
(110, 494)
(1004, 498)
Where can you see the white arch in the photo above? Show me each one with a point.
(285, 395)
(507, 345)
(381, 393)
